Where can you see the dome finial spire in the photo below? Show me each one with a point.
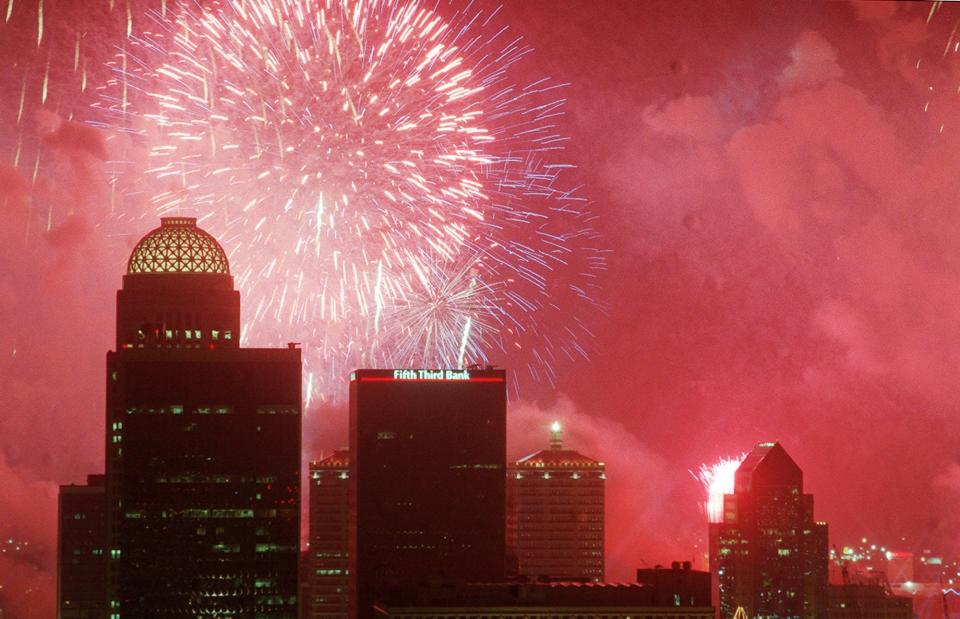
(556, 435)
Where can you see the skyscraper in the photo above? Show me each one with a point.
(328, 579)
(556, 513)
(769, 554)
(202, 443)
(81, 544)
(428, 451)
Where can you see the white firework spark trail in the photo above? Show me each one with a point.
(717, 480)
(386, 194)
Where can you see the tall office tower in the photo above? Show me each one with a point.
(769, 554)
(202, 443)
(428, 451)
(328, 578)
(81, 544)
(555, 513)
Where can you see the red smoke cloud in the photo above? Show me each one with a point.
(780, 198)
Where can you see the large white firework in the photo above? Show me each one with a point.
(387, 194)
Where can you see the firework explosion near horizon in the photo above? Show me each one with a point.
(717, 480)
(386, 194)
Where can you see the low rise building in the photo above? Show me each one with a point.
(680, 585)
(528, 600)
(855, 601)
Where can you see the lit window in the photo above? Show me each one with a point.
(214, 335)
(228, 335)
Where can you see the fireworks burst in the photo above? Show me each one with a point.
(386, 194)
(717, 480)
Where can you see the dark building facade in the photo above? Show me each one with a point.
(556, 600)
(203, 444)
(328, 562)
(81, 550)
(428, 453)
(856, 601)
(555, 514)
(681, 585)
(769, 554)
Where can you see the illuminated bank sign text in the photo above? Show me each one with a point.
(431, 375)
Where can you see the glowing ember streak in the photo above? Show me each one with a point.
(464, 340)
(23, 94)
(386, 195)
(46, 81)
(717, 480)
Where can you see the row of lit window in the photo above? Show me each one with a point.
(178, 409)
(555, 475)
(215, 513)
(340, 475)
(216, 479)
(188, 334)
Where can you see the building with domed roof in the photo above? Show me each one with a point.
(202, 443)
(178, 291)
(555, 513)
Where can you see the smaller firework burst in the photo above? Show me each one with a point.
(717, 480)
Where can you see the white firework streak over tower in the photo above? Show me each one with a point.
(718, 480)
(361, 160)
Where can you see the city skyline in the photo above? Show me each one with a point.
(773, 189)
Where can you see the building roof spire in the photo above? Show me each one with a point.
(556, 435)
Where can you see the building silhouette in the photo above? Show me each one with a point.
(555, 522)
(81, 550)
(541, 600)
(428, 453)
(328, 563)
(679, 586)
(202, 443)
(768, 553)
(855, 601)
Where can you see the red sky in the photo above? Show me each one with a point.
(777, 187)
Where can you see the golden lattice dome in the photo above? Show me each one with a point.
(178, 246)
